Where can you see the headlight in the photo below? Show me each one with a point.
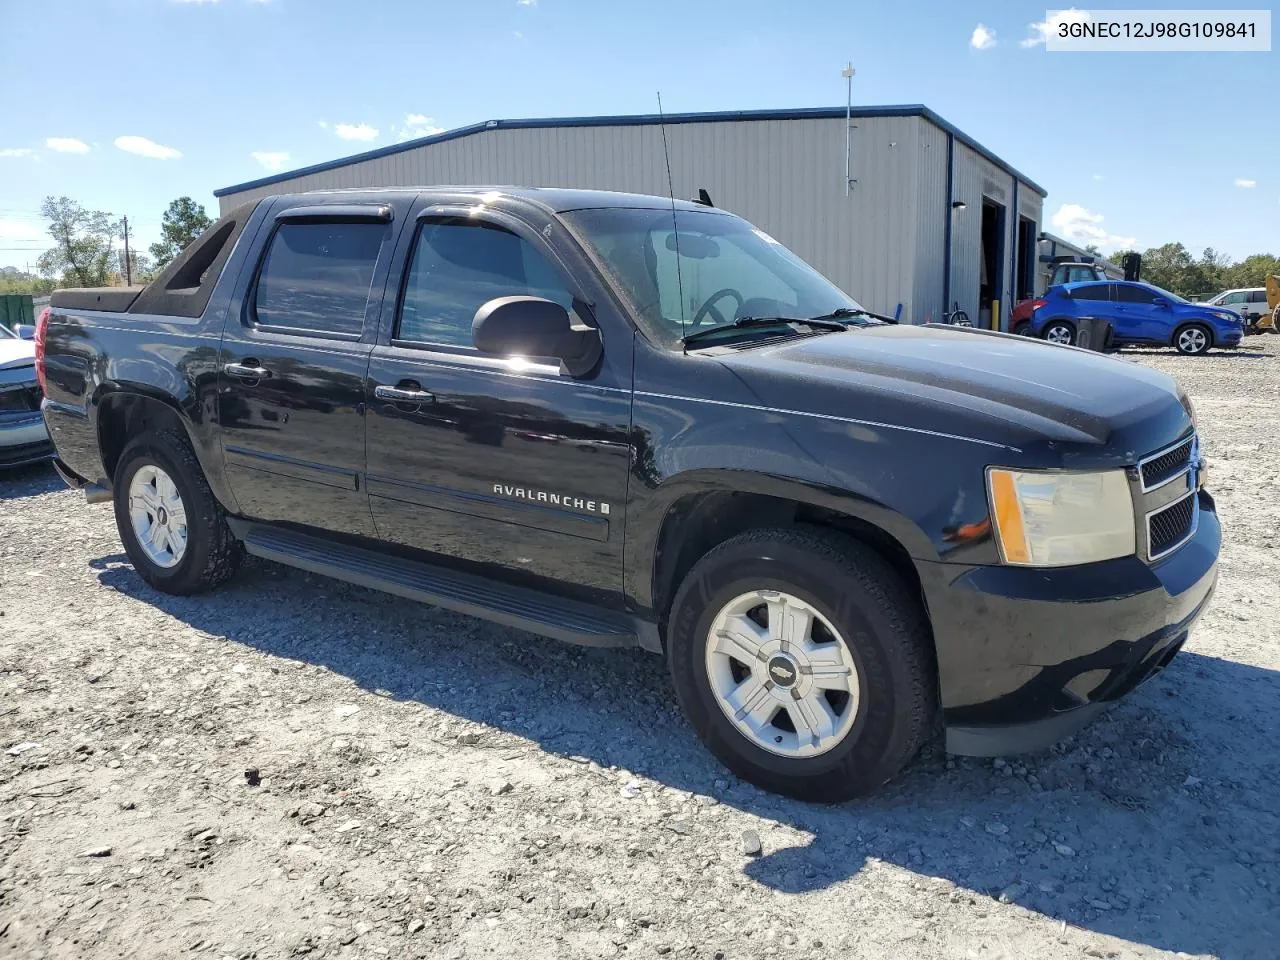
(1046, 519)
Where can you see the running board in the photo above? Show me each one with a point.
(518, 607)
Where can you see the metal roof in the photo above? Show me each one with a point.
(806, 113)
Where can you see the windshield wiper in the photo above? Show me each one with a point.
(849, 312)
(820, 323)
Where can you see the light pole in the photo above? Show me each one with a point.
(848, 73)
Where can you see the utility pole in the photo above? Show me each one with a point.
(848, 73)
(128, 264)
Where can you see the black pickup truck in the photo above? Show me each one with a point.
(618, 420)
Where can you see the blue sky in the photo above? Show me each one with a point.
(124, 105)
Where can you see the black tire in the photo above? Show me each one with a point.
(1188, 350)
(212, 553)
(1065, 325)
(884, 628)
(1275, 321)
(1023, 329)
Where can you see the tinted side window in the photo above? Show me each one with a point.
(1257, 296)
(457, 267)
(316, 276)
(1096, 291)
(1135, 295)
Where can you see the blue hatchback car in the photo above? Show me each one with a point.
(1139, 314)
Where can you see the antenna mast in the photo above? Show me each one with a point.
(675, 229)
(848, 73)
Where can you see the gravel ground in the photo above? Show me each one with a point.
(292, 766)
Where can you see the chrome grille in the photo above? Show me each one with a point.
(1171, 526)
(1167, 465)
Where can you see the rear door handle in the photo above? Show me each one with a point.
(248, 370)
(403, 394)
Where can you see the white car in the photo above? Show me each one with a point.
(23, 437)
(1249, 302)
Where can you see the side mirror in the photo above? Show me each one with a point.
(25, 331)
(1161, 302)
(536, 327)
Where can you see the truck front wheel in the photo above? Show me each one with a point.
(802, 661)
(172, 527)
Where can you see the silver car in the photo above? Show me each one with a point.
(23, 437)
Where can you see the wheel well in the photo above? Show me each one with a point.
(123, 416)
(1052, 320)
(697, 523)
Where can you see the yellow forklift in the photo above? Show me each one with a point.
(1270, 321)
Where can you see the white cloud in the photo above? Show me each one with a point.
(16, 152)
(1098, 176)
(1040, 31)
(67, 145)
(355, 131)
(272, 160)
(1085, 227)
(146, 148)
(1246, 184)
(983, 38)
(417, 125)
(526, 3)
(195, 1)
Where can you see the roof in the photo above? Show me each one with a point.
(645, 119)
(555, 199)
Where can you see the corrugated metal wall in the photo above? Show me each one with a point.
(785, 176)
(976, 178)
(932, 208)
(884, 244)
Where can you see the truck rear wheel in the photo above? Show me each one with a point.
(802, 661)
(172, 527)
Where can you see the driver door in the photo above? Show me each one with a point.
(506, 462)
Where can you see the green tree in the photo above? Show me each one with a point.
(182, 222)
(1252, 271)
(13, 280)
(83, 242)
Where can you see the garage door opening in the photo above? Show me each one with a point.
(992, 258)
(1025, 281)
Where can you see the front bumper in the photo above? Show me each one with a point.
(1028, 656)
(24, 440)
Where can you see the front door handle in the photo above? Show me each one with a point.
(249, 370)
(414, 394)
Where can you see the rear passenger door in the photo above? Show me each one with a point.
(292, 364)
(1094, 300)
(505, 462)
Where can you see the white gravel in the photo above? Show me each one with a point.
(430, 785)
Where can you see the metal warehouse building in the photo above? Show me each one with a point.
(930, 216)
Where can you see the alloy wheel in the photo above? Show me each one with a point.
(1193, 340)
(158, 516)
(782, 674)
(1059, 333)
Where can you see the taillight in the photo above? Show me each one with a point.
(42, 332)
(1037, 304)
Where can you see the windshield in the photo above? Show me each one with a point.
(725, 270)
(6, 332)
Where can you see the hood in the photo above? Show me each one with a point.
(971, 382)
(17, 353)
